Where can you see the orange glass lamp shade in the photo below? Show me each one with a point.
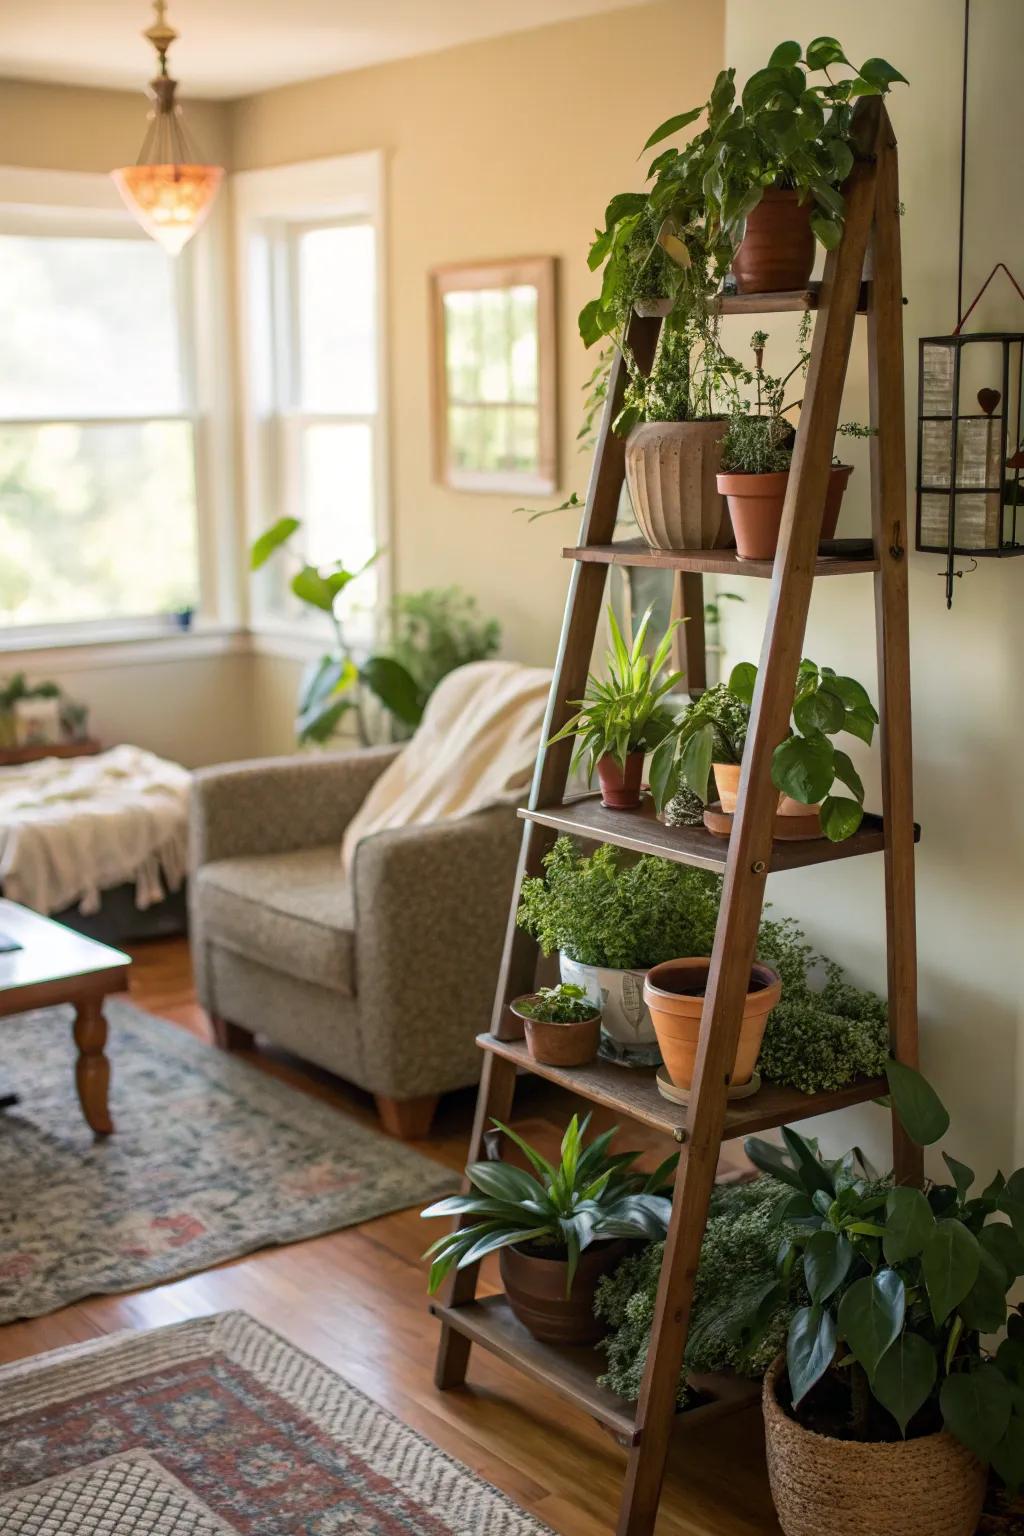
(170, 201)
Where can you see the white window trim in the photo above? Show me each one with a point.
(342, 188)
(31, 200)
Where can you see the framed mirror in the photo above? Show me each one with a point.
(495, 376)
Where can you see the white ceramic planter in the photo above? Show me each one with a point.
(627, 1032)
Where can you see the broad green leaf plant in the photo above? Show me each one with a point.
(624, 712)
(902, 1286)
(805, 766)
(590, 1195)
(565, 1004)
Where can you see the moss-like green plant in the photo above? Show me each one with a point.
(737, 1268)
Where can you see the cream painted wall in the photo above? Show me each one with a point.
(72, 128)
(504, 148)
(969, 736)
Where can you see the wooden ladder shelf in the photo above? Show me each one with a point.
(870, 235)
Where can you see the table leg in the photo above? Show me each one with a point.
(92, 1070)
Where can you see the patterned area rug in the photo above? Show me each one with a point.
(211, 1159)
(219, 1426)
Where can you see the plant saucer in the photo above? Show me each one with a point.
(668, 1089)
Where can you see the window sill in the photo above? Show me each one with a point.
(81, 648)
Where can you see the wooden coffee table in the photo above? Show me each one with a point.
(57, 965)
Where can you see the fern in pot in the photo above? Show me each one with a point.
(558, 1227)
(609, 919)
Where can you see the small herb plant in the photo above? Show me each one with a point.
(591, 1195)
(901, 1286)
(564, 1004)
(712, 730)
(624, 714)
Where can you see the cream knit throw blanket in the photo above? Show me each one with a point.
(73, 827)
(475, 746)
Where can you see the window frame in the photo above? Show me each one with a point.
(74, 204)
(527, 271)
(272, 209)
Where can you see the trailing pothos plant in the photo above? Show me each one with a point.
(805, 766)
(590, 1195)
(625, 712)
(902, 1284)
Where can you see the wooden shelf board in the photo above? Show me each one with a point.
(573, 1369)
(634, 1092)
(719, 562)
(642, 832)
(777, 303)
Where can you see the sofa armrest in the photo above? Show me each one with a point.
(432, 905)
(276, 804)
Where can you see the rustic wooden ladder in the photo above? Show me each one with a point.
(871, 234)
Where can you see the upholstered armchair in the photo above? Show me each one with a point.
(384, 978)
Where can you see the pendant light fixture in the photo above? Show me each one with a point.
(169, 190)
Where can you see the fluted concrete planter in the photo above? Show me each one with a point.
(671, 471)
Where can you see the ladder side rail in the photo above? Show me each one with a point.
(750, 843)
(572, 664)
(889, 528)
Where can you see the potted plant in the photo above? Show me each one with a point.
(558, 1229)
(674, 992)
(709, 739)
(563, 1026)
(621, 719)
(887, 1406)
(757, 451)
(763, 176)
(609, 921)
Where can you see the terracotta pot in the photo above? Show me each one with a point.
(755, 508)
(671, 470)
(535, 1288)
(776, 253)
(727, 782)
(674, 992)
(560, 1044)
(931, 1486)
(620, 790)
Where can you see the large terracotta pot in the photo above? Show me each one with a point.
(756, 503)
(535, 1288)
(671, 470)
(727, 782)
(776, 253)
(627, 1033)
(570, 1044)
(620, 787)
(931, 1486)
(674, 992)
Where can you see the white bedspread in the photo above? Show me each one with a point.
(72, 827)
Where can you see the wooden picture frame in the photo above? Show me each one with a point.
(495, 437)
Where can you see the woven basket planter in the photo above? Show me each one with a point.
(927, 1487)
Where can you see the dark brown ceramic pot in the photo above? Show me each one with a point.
(535, 1288)
(620, 788)
(560, 1044)
(776, 253)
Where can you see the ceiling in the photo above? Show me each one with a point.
(230, 48)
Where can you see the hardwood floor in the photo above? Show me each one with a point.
(357, 1301)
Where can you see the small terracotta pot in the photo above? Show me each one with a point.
(535, 1288)
(776, 253)
(931, 1486)
(671, 470)
(674, 992)
(554, 1044)
(756, 503)
(727, 782)
(620, 790)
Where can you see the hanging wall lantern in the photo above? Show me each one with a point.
(969, 447)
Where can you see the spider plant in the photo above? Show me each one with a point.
(590, 1195)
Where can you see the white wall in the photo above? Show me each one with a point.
(968, 730)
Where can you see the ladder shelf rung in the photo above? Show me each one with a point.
(717, 562)
(573, 1369)
(642, 832)
(634, 1092)
(777, 303)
